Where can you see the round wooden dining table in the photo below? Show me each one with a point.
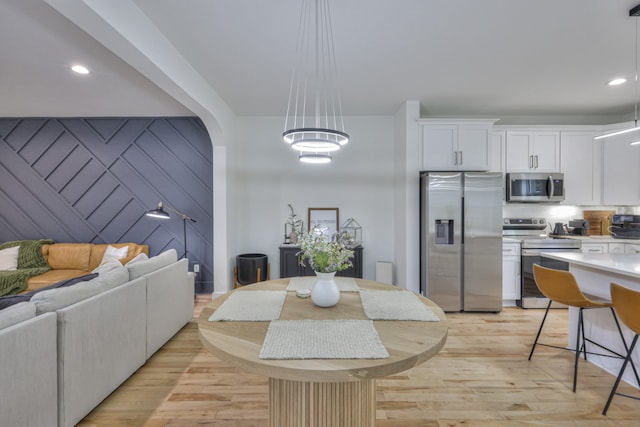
(322, 392)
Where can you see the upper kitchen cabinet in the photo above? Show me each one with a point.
(581, 163)
(499, 138)
(621, 171)
(533, 151)
(456, 144)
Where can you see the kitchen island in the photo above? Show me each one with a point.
(594, 273)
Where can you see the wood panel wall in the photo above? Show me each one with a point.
(93, 179)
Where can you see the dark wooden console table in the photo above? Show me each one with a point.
(291, 265)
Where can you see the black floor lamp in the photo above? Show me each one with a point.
(160, 213)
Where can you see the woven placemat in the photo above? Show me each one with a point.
(395, 305)
(251, 306)
(322, 339)
(345, 284)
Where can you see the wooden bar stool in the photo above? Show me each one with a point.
(561, 286)
(626, 303)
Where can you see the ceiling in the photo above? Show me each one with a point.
(546, 61)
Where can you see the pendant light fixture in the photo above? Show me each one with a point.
(314, 125)
(635, 12)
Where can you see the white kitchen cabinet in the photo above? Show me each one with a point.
(452, 145)
(533, 151)
(616, 248)
(581, 163)
(621, 171)
(510, 273)
(631, 248)
(595, 248)
(498, 141)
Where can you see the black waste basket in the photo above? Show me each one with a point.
(248, 265)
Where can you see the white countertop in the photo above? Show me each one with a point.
(584, 239)
(601, 239)
(625, 264)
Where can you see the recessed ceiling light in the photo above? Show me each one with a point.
(80, 69)
(617, 81)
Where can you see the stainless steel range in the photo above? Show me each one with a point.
(534, 241)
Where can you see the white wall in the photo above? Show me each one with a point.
(359, 182)
(407, 185)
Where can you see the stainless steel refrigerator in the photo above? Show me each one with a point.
(461, 240)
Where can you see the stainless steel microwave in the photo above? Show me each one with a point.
(535, 187)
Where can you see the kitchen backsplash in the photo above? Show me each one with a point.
(557, 213)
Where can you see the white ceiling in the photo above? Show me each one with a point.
(545, 61)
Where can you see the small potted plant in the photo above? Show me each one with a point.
(295, 225)
(326, 258)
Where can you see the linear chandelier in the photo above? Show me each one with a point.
(314, 125)
(635, 12)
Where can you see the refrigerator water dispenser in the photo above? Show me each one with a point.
(444, 232)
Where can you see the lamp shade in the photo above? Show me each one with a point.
(158, 212)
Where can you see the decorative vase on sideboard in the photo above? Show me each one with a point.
(325, 292)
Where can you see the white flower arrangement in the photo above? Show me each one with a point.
(324, 256)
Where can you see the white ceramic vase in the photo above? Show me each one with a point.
(325, 292)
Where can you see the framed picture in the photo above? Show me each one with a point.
(326, 219)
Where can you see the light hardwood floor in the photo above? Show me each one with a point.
(481, 378)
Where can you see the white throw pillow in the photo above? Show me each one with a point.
(9, 258)
(112, 253)
(152, 264)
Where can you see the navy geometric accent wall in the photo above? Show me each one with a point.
(93, 179)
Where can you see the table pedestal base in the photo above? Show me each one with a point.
(312, 404)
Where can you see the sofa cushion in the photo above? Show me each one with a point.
(44, 286)
(116, 275)
(98, 251)
(9, 300)
(52, 276)
(140, 268)
(136, 259)
(108, 267)
(54, 299)
(16, 314)
(9, 258)
(70, 256)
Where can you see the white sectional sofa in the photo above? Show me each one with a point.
(80, 345)
(28, 378)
